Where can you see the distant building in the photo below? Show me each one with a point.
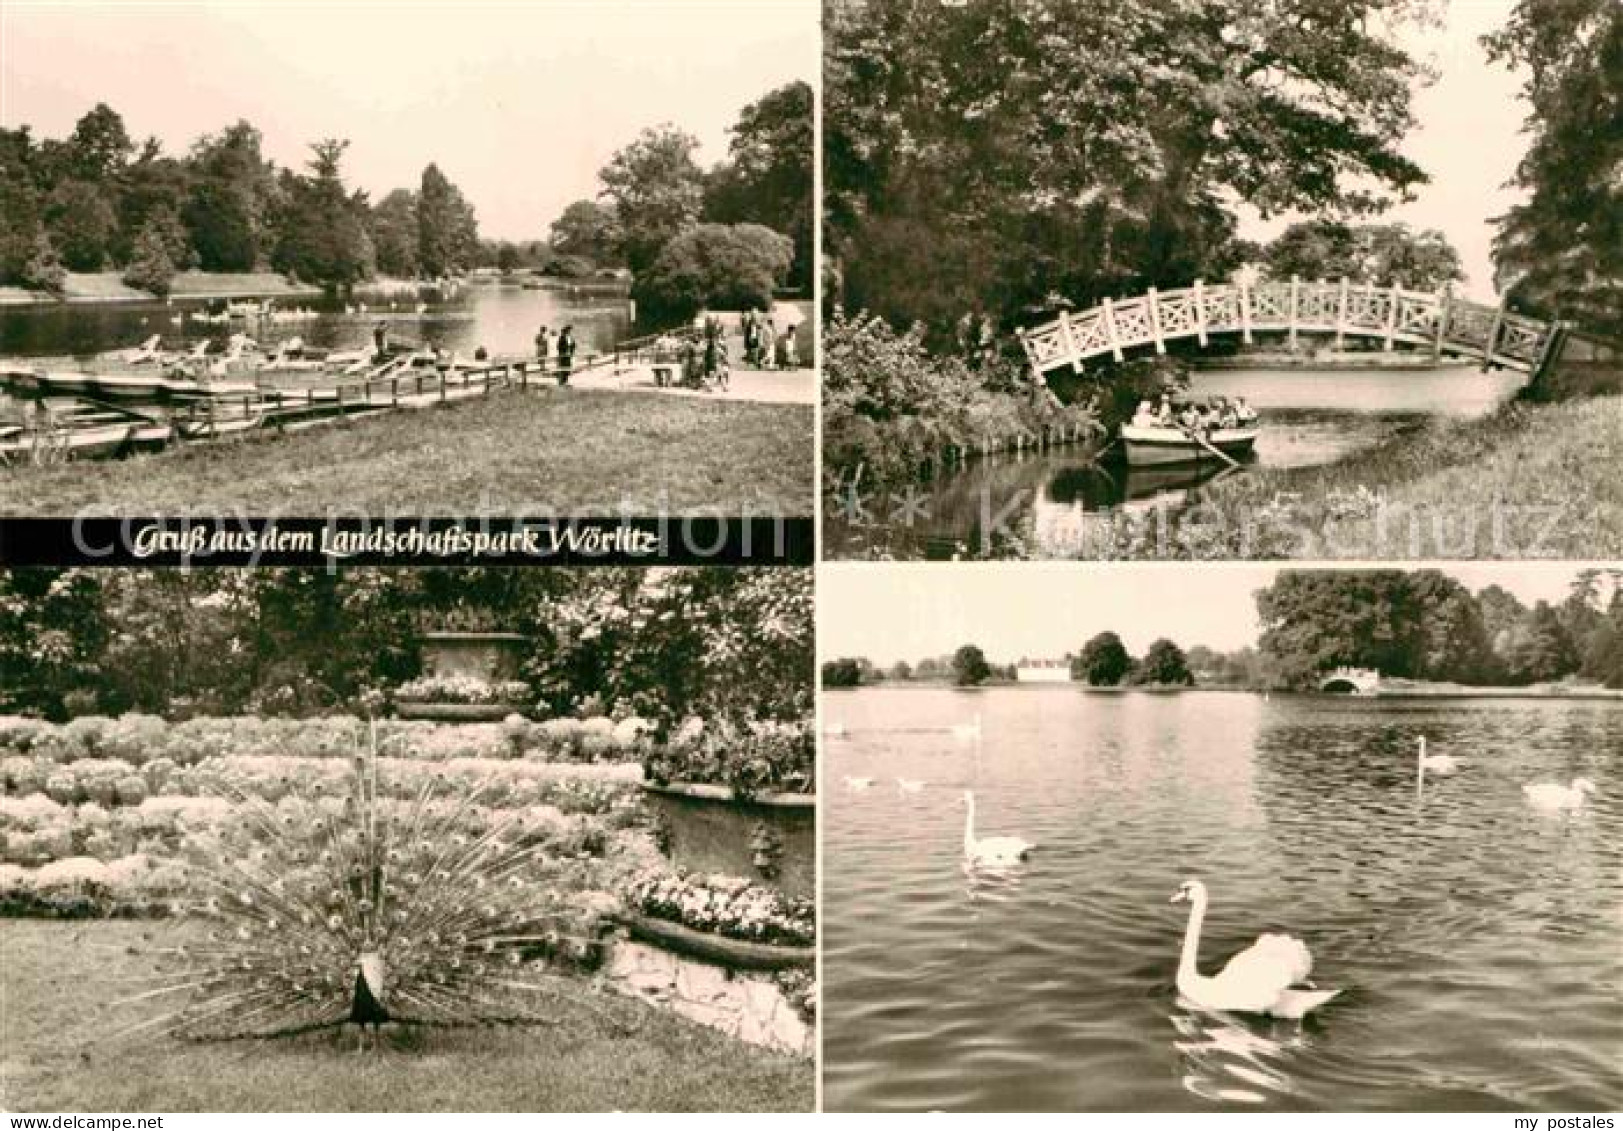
(1043, 671)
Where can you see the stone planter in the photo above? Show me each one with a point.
(490, 656)
(454, 712)
(747, 1006)
(734, 954)
(771, 838)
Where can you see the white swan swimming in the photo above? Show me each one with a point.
(1554, 797)
(858, 783)
(994, 851)
(967, 731)
(1438, 765)
(1260, 979)
(834, 730)
(910, 785)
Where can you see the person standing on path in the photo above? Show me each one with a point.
(566, 353)
(543, 349)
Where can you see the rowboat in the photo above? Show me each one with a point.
(96, 440)
(1149, 446)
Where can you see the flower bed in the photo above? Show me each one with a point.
(725, 907)
(749, 760)
(462, 688)
(138, 739)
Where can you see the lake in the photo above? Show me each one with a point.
(1311, 417)
(503, 319)
(1477, 940)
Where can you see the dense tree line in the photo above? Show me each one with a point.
(659, 643)
(1559, 252)
(996, 158)
(1102, 662)
(691, 237)
(96, 201)
(1425, 625)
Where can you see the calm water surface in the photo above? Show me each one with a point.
(502, 319)
(1312, 417)
(1480, 943)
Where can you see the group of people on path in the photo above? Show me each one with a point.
(765, 347)
(556, 355)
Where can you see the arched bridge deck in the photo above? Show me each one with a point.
(1438, 321)
(1357, 681)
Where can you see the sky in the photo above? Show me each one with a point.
(1043, 611)
(1467, 137)
(519, 103)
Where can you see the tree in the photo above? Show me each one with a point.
(1103, 661)
(151, 267)
(1559, 252)
(588, 230)
(394, 234)
(447, 233)
(21, 221)
(233, 201)
(82, 224)
(1379, 254)
(1315, 620)
(1163, 665)
(99, 146)
(1083, 149)
(842, 673)
(323, 233)
(1539, 649)
(767, 178)
(729, 267)
(901, 671)
(657, 190)
(969, 667)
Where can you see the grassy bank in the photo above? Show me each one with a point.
(58, 979)
(1528, 481)
(109, 286)
(537, 452)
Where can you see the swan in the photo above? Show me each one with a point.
(992, 850)
(858, 783)
(1438, 765)
(1259, 979)
(967, 731)
(834, 730)
(1554, 797)
(910, 785)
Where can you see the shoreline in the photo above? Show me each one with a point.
(1402, 690)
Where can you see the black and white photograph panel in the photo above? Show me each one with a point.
(1222, 838)
(1219, 280)
(426, 258)
(438, 840)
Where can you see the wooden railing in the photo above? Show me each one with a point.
(1439, 322)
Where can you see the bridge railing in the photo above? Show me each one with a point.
(1438, 320)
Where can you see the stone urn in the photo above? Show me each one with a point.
(769, 838)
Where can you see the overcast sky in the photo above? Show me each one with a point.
(1038, 610)
(518, 103)
(1467, 136)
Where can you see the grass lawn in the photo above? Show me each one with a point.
(1528, 481)
(535, 453)
(57, 978)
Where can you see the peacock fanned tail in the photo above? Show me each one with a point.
(430, 909)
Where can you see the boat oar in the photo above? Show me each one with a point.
(1216, 451)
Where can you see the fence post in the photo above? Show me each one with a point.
(1395, 301)
(1200, 312)
(1444, 303)
(1110, 329)
(1155, 321)
(1296, 292)
(1493, 334)
(1341, 315)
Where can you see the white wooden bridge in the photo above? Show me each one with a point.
(1437, 322)
(1349, 680)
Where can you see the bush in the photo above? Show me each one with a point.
(751, 759)
(716, 266)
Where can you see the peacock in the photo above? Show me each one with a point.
(316, 913)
